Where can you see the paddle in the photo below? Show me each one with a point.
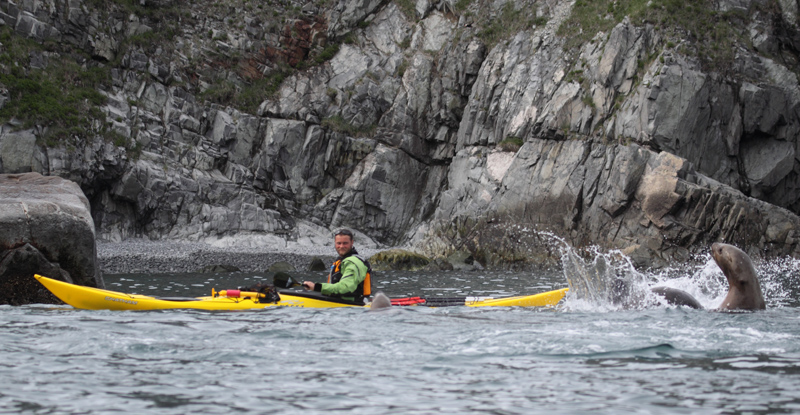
(284, 280)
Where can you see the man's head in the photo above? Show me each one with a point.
(343, 239)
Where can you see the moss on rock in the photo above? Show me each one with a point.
(398, 259)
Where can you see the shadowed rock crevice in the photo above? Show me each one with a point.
(17, 267)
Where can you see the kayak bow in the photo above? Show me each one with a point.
(90, 298)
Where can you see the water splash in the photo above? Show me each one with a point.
(701, 278)
(605, 281)
(608, 281)
(780, 281)
(601, 282)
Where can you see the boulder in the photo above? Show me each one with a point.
(281, 266)
(317, 264)
(45, 228)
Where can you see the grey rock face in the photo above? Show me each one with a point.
(615, 196)
(45, 228)
(348, 13)
(404, 133)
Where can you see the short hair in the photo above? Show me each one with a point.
(346, 232)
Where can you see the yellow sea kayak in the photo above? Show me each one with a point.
(89, 298)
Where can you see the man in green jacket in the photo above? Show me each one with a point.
(349, 278)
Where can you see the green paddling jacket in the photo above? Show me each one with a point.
(349, 278)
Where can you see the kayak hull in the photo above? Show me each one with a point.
(90, 298)
(545, 299)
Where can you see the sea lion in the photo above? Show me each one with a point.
(676, 297)
(380, 301)
(744, 292)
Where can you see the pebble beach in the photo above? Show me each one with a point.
(153, 257)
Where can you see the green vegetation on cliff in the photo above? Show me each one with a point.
(495, 25)
(245, 97)
(56, 85)
(711, 34)
(61, 95)
(511, 144)
(508, 22)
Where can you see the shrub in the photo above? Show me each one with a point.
(511, 144)
(401, 69)
(327, 53)
(246, 97)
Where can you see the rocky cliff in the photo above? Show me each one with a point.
(654, 128)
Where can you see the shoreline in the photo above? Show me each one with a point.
(134, 256)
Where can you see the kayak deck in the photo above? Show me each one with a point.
(90, 298)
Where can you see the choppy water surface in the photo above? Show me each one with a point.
(585, 356)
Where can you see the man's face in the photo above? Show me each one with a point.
(343, 244)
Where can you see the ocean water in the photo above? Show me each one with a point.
(587, 355)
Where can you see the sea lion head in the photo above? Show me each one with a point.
(744, 291)
(380, 301)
